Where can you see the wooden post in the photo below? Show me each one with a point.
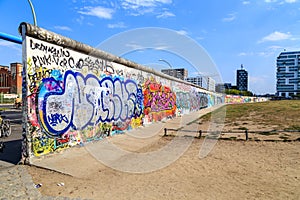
(200, 134)
(246, 132)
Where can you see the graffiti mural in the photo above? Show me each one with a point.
(80, 101)
(74, 98)
(235, 99)
(159, 101)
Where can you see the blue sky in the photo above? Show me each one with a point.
(232, 32)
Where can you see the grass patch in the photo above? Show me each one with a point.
(283, 114)
(217, 116)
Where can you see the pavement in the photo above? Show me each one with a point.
(16, 182)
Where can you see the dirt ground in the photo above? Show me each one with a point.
(232, 170)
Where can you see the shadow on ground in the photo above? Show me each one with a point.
(11, 152)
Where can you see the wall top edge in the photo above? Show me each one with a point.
(26, 29)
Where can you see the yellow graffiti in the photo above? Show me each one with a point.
(97, 132)
(29, 66)
(136, 122)
(42, 146)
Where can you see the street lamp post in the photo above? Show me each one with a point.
(33, 12)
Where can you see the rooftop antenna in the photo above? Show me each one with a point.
(33, 13)
(242, 66)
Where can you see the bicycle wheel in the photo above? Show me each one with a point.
(7, 128)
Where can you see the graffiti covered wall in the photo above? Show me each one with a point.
(234, 99)
(74, 97)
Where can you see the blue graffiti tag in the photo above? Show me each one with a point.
(87, 101)
(56, 118)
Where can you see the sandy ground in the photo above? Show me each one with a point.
(232, 170)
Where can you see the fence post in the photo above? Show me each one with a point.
(165, 132)
(246, 132)
(200, 133)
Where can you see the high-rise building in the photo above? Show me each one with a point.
(288, 74)
(242, 79)
(180, 73)
(211, 84)
(203, 81)
(198, 80)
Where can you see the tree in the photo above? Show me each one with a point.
(238, 92)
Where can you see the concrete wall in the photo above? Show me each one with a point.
(73, 97)
(233, 99)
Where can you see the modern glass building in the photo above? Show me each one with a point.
(288, 74)
(242, 79)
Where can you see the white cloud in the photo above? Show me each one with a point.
(64, 28)
(290, 1)
(245, 54)
(162, 47)
(166, 14)
(141, 7)
(275, 48)
(117, 25)
(182, 32)
(100, 12)
(229, 18)
(134, 46)
(270, 1)
(246, 2)
(276, 36)
(135, 4)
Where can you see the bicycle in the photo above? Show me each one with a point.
(5, 128)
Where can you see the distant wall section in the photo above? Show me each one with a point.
(234, 99)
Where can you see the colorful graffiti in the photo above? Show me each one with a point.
(234, 99)
(74, 98)
(78, 101)
(191, 100)
(159, 101)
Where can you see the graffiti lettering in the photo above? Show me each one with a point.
(159, 101)
(87, 101)
(73, 98)
(56, 118)
(60, 52)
